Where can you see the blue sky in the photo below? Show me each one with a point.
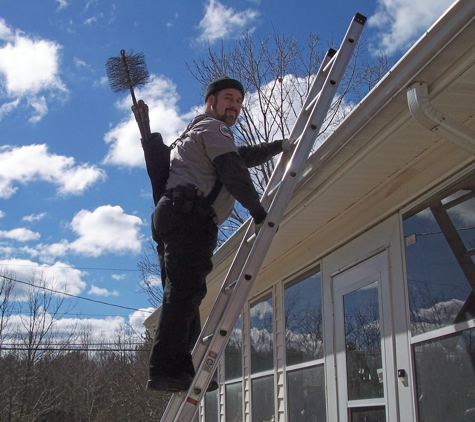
(75, 200)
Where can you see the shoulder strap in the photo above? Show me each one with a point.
(214, 192)
(196, 120)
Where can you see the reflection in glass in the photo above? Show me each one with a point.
(445, 377)
(261, 335)
(234, 402)
(233, 353)
(303, 320)
(306, 395)
(263, 398)
(440, 269)
(211, 404)
(368, 414)
(363, 343)
(197, 416)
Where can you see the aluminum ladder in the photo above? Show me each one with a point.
(253, 248)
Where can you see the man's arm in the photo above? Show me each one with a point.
(233, 173)
(254, 155)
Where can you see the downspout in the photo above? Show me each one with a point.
(427, 115)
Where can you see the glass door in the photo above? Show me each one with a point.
(363, 343)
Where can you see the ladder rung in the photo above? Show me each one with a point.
(207, 339)
(312, 103)
(330, 63)
(251, 239)
(274, 189)
(229, 289)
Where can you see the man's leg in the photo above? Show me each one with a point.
(187, 247)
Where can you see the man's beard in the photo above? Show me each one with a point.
(229, 120)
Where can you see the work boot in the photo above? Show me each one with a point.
(213, 385)
(179, 383)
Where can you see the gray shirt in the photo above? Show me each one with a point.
(192, 161)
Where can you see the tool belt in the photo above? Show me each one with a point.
(189, 198)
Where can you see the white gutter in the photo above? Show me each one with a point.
(436, 121)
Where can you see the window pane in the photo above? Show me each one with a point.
(303, 321)
(263, 399)
(233, 353)
(445, 378)
(234, 402)
(306, 394)
(211, 406)
(368, 414)
(439, 271)
(262, 330)
(363, 343)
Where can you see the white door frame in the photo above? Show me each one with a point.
(373, 271)
(383, 243)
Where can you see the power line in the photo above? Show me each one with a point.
(71, 345)
(74, 296)
(53, 349)
(70, 266)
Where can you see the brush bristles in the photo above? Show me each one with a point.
(126, 72)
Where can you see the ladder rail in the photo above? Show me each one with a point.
(219, 305)
(253, 248)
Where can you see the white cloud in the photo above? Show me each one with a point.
(103, 81)
(113, 329)
(99, 291)
(221, 22)
(34, 162)
(137, 318)
(32, 218)
(161, 97)
(6, 108)
(401, 22)
(105, 230)
(59, 276)
(2, 214)
(80, 63)
(62, 4)
(18, 55)
(154, 281)
(38, 104)
(20, 235)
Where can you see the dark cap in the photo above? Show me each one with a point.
(223, 83)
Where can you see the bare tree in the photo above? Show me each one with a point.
(151, 275)
(6, 304)
(277, 72)
(35, 343)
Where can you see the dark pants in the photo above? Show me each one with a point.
(185, 244)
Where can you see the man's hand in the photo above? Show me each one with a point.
(257, 227)
(288, 144)
(259, 220)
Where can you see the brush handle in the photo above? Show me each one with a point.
(141, 117)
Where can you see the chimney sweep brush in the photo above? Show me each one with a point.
(126, 72)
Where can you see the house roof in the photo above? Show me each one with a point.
(379, 159)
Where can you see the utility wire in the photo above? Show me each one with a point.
(72, 345)
(69, 266)
(53, 349)
(74, 296)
